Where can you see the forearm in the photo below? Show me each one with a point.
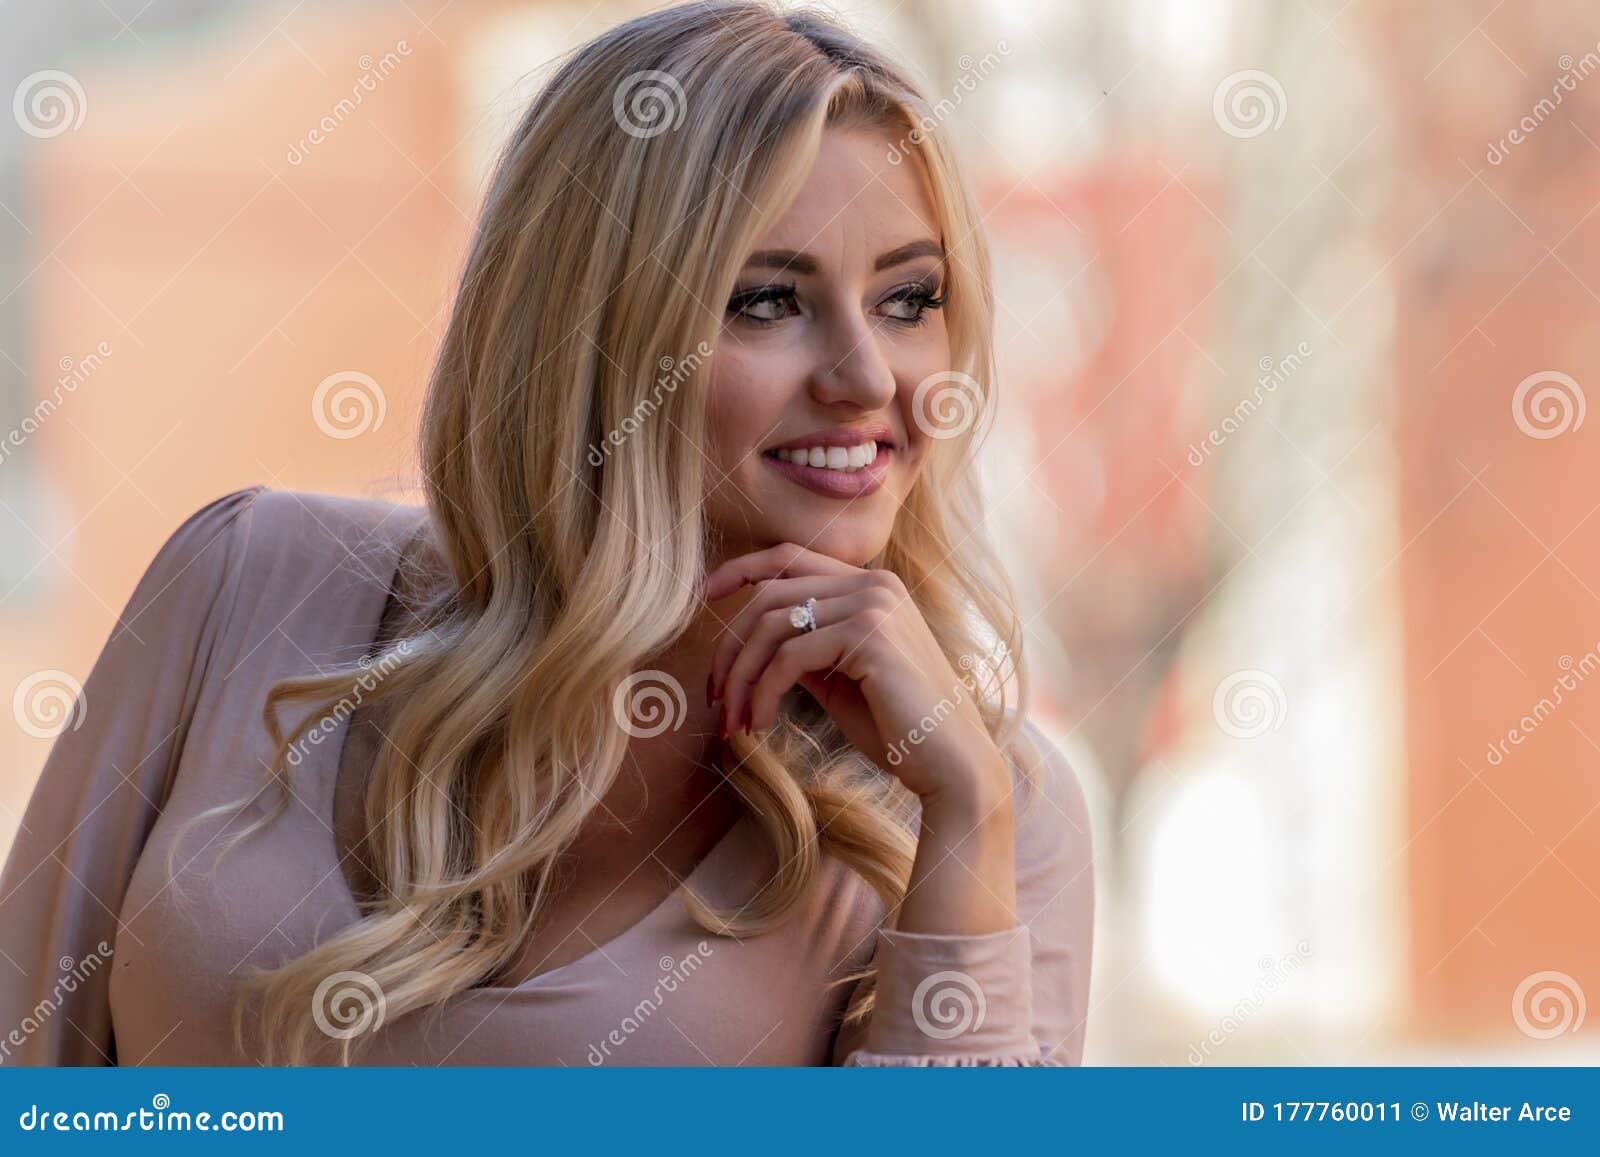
(963, 877)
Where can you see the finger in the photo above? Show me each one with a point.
(772, 631)
(818, 652)
(770, 594)
(784, 560)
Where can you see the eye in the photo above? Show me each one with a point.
(764, 306)
(910, 303)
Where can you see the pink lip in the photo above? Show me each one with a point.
(834, 483)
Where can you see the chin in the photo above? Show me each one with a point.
(855, 545)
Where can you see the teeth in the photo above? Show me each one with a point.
(845, 459)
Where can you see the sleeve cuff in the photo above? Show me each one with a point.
(948, 999)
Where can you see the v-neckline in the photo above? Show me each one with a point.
(604, 950)
(334, 753)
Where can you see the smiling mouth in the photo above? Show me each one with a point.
(842, 471)
(837, 459)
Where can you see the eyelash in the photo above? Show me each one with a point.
(914, 293)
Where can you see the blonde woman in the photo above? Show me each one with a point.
(438, 784)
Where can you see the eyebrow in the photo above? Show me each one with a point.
(787, 259)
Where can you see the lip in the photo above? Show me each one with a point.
(834, 483)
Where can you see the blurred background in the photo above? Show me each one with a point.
(1298, 307)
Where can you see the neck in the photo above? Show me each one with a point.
(678, 773)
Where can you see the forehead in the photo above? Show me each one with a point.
(857, 200)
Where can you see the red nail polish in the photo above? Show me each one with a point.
(709, 698)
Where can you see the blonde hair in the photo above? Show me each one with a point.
(607, 242)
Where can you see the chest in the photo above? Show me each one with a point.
(652, 988)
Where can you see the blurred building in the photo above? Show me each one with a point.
(1297, 309)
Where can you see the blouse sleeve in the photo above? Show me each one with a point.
(1018, 997)
(103, 785)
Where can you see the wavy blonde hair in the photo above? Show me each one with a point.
(607, 241)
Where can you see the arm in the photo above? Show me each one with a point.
(1018, 996)
(103, 785)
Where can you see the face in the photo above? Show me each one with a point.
(832, 324)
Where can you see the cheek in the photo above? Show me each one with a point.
(744, 406)
(921, 357)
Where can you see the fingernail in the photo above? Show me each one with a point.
(709, 699)
(722, 724)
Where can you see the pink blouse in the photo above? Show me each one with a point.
(105, 960)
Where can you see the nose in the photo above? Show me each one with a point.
(852, 370)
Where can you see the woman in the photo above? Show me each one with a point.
(422, 785)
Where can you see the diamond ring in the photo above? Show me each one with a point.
(803, 616)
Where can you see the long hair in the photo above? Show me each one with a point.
(617, 220)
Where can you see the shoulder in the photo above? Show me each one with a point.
(1053, 828)
(266, 526)
(257, 540)
(301, 521)
(1042, 774)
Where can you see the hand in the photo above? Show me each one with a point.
(872, 664)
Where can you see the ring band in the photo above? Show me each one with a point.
(803, 616)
